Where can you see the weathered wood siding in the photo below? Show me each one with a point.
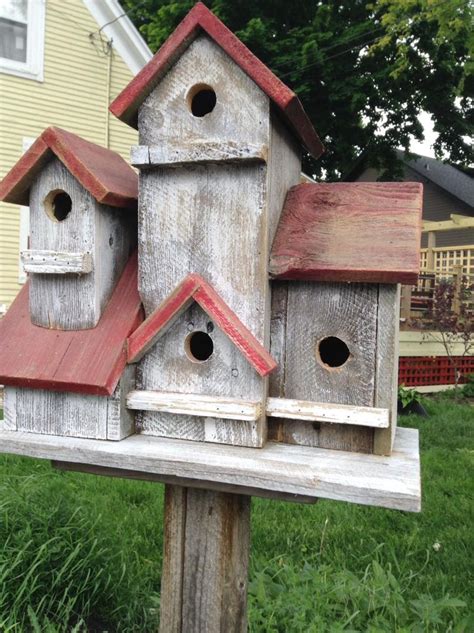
(70, 414)
(73, 96)
(107, 234)
(302, 315)
(215, 219)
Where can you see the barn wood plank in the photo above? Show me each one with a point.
(358, 232)
(316, 311)
(390, 482)
(202, 484)
(386, 379)
(55, 262)
(197, 152)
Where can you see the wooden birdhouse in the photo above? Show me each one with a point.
(62, 360)
(82, 201)
(266, 354)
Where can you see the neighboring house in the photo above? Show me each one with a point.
(446, 191)
(59, 65)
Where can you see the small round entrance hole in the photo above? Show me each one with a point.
(198, 347)
(202, 100)
(333, 352)
(58, 205)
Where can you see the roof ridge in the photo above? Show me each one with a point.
(126, 104)
(100, 170)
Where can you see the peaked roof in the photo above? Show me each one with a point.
(356, 232)
(101, 171)
(81, 361)
(453, 180)
(200, 18)
(195, 288)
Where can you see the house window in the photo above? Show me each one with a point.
(22, 38)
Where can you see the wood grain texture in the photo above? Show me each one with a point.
(72, 302)
(55, 262)
(61, 414)
(346, 311)
(211, 220)
(205, 562)
(386, 380)
(172, 580)
(191, 404)
(390, 482)
(226, 374)
(197, 152)
(358, 232)
(199, 20)
(194, 287)
(120, 419)
(327, 412)
(102, 172)
(241, 114)
(202, 484)
(217, 544)
(233, 409)
(9, 409)
(85, 361)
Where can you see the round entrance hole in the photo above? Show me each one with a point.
(198, 346)
(58, 205)
(333, 352)
(201, 100)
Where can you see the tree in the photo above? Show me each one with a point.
(363, 69)
(450, 321)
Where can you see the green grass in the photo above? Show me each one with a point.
(79, 552)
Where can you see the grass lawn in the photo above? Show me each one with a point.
(83, 553)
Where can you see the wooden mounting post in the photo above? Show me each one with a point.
(205, 561)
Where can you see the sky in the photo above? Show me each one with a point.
(425, 148)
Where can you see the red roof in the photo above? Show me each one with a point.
(360, 232)
(101, 171)
(126, 105)
(83, 361)
(195, 288)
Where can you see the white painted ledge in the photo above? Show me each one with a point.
(55, 262)
(389, 482)
(234, 409)
(193, 404)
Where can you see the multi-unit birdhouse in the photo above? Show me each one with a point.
(258, 311)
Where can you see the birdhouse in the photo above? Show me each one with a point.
(82, 201)
(220, 148)
(64, 376)
(270, 306)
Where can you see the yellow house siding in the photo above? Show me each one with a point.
(74, 95)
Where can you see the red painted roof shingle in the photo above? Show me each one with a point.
(101, 171)
(200, 18)
(83, 361)
(360, 232)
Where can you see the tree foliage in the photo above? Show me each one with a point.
(364, 69)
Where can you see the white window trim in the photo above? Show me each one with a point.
(33, 67)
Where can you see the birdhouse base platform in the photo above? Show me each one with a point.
(280, 471)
